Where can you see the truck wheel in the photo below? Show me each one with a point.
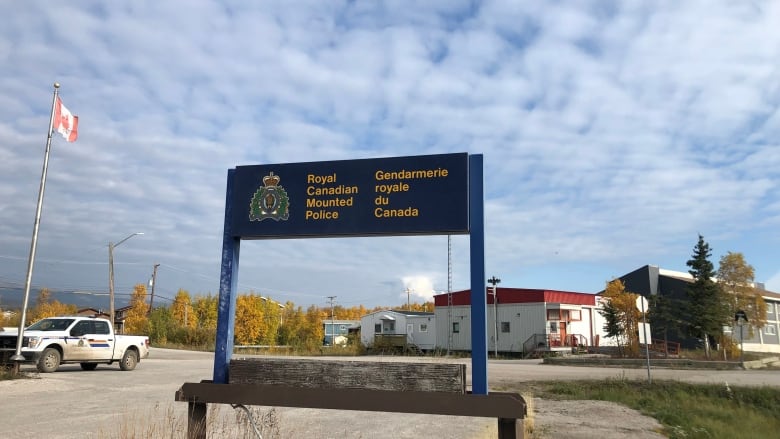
(88, 366)
(49, 361)
(129, 360)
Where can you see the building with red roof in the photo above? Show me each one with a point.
(522, 320)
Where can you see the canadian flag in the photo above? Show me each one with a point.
(65, 122)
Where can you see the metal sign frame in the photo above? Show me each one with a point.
(231, 244)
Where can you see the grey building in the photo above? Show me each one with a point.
(651, 280)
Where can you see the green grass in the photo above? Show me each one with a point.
(685, 410)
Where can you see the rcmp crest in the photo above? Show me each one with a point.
(270, 201)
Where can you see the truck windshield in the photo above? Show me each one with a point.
(50, 325)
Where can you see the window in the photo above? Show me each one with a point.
(553, 327)
(423, 327)
(770, 330)
(81, 328)
(101, 328)
(389, 326)
(504, 326)
(378, 328)
(567, 315)
(455, 327)
(343, 328)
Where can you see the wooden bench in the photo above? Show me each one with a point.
(400, 387)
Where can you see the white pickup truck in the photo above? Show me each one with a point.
(88, 341)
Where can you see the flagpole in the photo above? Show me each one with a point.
(18, 358)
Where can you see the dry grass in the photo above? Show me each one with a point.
(529, 426)
(168, 422)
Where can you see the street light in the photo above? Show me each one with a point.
(111, 247)
(741, 318)
(495, 281)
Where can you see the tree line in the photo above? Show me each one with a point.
(192, 320)
(706, 311)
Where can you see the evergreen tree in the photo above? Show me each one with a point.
(706, 308)
(612, 322)
(664, 316)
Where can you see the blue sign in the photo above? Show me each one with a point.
(388, 196)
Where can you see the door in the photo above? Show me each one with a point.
(562, 333)
(92, 340)
(409, 333)
(101, 341)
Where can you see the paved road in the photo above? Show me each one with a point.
(109, 403)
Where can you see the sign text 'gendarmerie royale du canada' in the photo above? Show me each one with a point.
(386, 196)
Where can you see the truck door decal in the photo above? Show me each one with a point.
(98, 343)
(92, 341)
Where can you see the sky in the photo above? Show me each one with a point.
(613, 134)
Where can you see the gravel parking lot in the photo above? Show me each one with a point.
(109, 403)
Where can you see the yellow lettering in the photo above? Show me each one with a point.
(396, 213)
(390, 188)
(322, 214)
(321, 179)
(403, 174)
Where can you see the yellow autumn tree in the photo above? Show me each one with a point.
(250, 323)
(3, 320)
(181, 309)
(736, 277)
(205, 309)
(272, 316)
(626, 313)
(137, 321)
(293, 321)
(45, 306)
(417, 307)
(312, 330)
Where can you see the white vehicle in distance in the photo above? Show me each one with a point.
(88, 341)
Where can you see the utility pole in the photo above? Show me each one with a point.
(153, 282)
(495, 281)
(111, 247)
(408, 305)
(332, 330)
(111, 284)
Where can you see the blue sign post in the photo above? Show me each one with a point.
(228, 279)
(479, 382)
(417, 195)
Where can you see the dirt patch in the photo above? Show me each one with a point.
(554, 419)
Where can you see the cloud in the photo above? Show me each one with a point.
(612, 134)
(419, 286)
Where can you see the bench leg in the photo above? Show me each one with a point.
(196, 420)
(510, 428)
